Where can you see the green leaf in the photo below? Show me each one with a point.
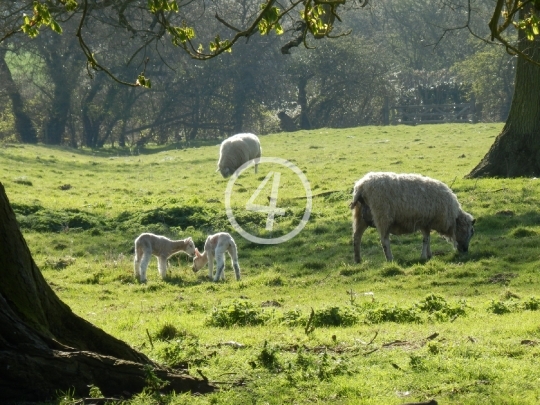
(70, 5)
(56, 27)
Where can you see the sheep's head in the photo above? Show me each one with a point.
(199, 260)
(464, 231)
(225, 171)
(190, 247)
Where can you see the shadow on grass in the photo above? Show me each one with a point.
(182, 281)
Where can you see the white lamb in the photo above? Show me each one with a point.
(405, 203)
(148, 244)
(237, 150)
(215, 247)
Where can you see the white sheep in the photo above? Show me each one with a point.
(237, 150)
(405, 203)
(215, 247)
(148, 244)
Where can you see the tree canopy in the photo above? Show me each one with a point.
(154, 20)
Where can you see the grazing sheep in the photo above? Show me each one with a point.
(405, 203)
(148, 244)
(215, 247)
(237, 150)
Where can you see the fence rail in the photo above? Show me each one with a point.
(430, 114)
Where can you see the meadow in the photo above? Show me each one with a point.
(305, 324)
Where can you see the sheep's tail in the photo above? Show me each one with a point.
(356, 207)
(356, 217)
(357, 198)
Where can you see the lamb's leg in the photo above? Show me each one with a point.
(220, 262)
(359, 227)
(236, 267)
(234, 258)
(137, 264)
(426, 249)
(162, 267)
(144, 264)
(210, 265)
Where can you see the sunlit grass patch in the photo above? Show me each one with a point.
(305, 324)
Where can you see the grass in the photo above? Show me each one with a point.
(305, 324)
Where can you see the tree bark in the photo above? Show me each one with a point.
(91, 117)
(62, 72)
(516, 151)
(303, 102)
(46, 348)
(23, 124)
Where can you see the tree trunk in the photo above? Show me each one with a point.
(46, 348)
(516, 151)
(23, 123)
(303, 103)
(62, 74)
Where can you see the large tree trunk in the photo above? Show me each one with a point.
(516, 151)
(45, 347)
(23, 123)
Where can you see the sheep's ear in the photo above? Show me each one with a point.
(197, 253)
(473, 221)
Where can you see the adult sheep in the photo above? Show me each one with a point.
(237, 150)
(405, 203)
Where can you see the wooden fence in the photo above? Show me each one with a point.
(430, 114)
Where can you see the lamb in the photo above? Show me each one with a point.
(237, 150)
(404, 203)
(148, 244)
(215, 247)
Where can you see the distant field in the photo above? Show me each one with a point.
(460, 329)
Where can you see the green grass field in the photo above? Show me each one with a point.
(305, 324)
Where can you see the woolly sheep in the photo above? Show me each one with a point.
(215, 247)
(148, 244)
(405, 203)
(237, 150)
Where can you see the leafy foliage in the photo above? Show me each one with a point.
(237, 313)
(335, 316)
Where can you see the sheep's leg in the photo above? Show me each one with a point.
(144, 264)
(385, 241)
(359, 227)
(162, 267)
(220, 260)
(426, 249)
(210, 265)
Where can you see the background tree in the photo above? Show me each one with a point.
(490, 72)
(23, 124)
